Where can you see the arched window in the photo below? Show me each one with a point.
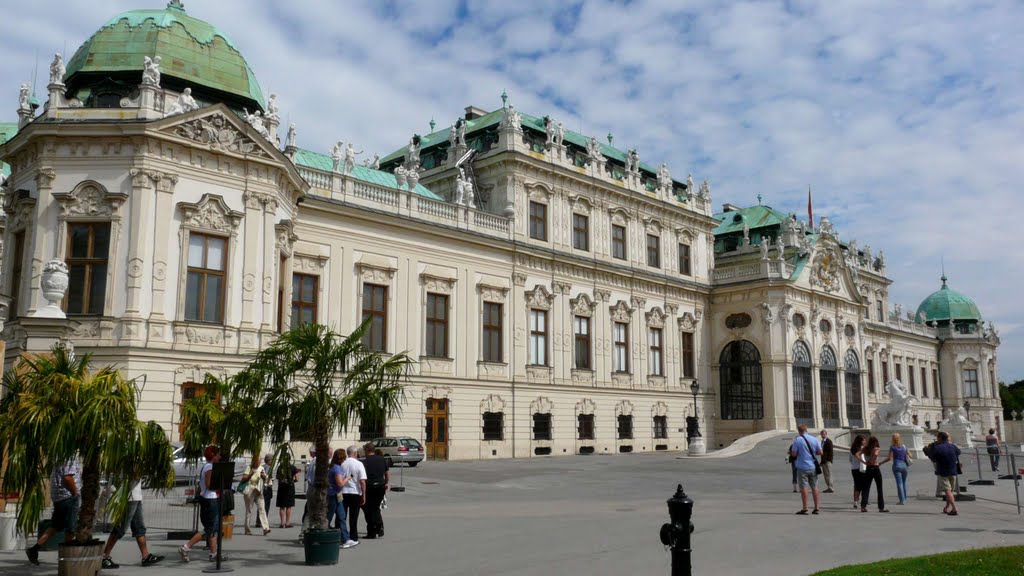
(740, 372)
(803, 388)
(829, 388)
(854, 407)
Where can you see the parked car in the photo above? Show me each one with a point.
(185, 472)
(401, 449)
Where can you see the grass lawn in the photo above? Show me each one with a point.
(981, 562)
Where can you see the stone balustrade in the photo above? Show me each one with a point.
(747, 270)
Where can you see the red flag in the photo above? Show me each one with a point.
(810, 210)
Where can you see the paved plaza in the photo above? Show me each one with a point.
(601, 515)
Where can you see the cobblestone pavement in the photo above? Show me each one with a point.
(601, 515)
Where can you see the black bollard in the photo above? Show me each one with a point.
(676, 535)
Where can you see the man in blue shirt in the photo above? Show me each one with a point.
(804, 450)
(945, 455)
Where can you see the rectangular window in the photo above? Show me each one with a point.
(653, 251)
(971, 383)
(661, 426)
(655, 360)
(538, 337)
(924, 382)
(625, 427)
(684, 260)
(370, 428)
(913, 385)
(879, 307)
(375, 307)
(541, 426)
(18, 258)
(935, 381)
(304, 299)
(689, 369)
(494, 425)
(620, 335)
(871, 375)
(204, 288)
(581, 331)
(867, 313)
(618, 242)
(492, 332)
(437, 325)
(580, 232)
(899, 372)
(585, 426)
(538, 221)
(87, 251)
(885, 374)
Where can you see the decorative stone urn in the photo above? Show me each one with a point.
(414, 179)
(54, 284)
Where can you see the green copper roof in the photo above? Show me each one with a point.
(7, 131)
(190, 49)
(323, 162)
(948, 304)
(755, 217)
(494, 118)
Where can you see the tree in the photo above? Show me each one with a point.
(1012, 397)
(56, 410)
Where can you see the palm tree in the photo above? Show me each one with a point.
(56, 410)
(309, 384)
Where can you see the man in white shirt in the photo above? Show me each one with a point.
(353, 493)
(135, 520)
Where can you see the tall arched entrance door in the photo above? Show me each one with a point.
(829, 377)
(803, 386)
(740, 382)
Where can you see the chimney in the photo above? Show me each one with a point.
(730, 207)
(472, 112)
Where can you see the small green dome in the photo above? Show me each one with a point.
(948, 304)
(192, 52)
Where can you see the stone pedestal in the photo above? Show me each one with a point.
(43, 333)
(696, 446)
(912, 437)
(959, 434)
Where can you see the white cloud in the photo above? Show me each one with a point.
(905, 119)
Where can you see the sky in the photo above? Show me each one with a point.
(905, 118)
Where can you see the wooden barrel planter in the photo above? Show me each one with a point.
(80, 559)
(227, 526)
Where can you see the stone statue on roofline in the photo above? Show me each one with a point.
(292, 136)
(690, 190)
(256, 121)
(632, 161)
(549, 131)
(559, 134)
(374, 164)
(350, 158)
(336, 155)
(453, 138)
(766, 242)
(272, 108)
(151, 71)
(23, 96)
(412, 155)
(185, 104)
(705, 190)
(746, 234)
(780, 254)
(460, 132)
(511, 120)
(664, 180)
(594, 150)
(57, 69)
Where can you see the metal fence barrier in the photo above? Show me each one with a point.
(996, 471)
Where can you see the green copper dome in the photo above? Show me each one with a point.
(948, 304)
(192, 52)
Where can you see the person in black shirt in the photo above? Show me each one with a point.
(377, 480)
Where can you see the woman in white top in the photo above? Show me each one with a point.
(857, 468)
(256, 477)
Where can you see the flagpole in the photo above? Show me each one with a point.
(810, 209)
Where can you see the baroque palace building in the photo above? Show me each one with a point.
(560, 295)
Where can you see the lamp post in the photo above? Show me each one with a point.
(695, 389)
(967, 409)
(693, 437)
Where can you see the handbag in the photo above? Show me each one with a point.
(817, 466)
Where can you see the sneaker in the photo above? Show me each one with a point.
(151, 559)
(33, 554)
(350, 544)
(223, 557)
(109, 564)
(183, 552)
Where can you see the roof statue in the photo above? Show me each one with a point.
(291, 137)
(400, 176)
(825, 227)
(766, 242)
(690, 190)
(375, 163)
(664, 179)
(705, 190)
(186, 103)
(57, 69)
(23, 96)
(151, 71)
(272, 108)
(460, 132)
(559, 134)
(464, 190)
(880, 263)
(350, 158)
(412, 156)
(780, 255)
(511, 119)
(336, 155)
(746, 234)
(593, 149)
(897, 411)
(632, 161)
(453, 138)
(256, 121)
(549, 131)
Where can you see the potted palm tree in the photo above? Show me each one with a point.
(310, 384)
(56, 410)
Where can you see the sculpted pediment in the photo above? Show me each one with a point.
(829, 270)
(219, 130)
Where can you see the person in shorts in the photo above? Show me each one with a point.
(945, 455)
(803, 451)
(65, 479)
(137, 522)
(209, 508)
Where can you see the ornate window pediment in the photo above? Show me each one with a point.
(621, 312)
(653, 226)
(659, 409)
(618, 216)
(493, 403)
(686, 235)
(89, 199)
(211, 213)
(489, 293)
(624, 408)
(439, 283)
(970, 363)
(541, 405)
(538, 192)
(539, 298)
(286, 237)
(586, 406)
(656, 318)
(688, 322)
(581, 204)
(218, 133)
(582, 305)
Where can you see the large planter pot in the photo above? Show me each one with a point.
(321, 546)
(80, 559)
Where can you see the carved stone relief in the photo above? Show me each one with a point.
(211, 213)
(219, 134)
(586, 406)
(582, 305)
(655, 318)
(539, 298)
(621, 312)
